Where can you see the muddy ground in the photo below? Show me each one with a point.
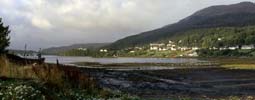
(214, 82)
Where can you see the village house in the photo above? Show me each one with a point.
(223, 48)
(247, 47)
(184, 48)
(163, 49)
(83, 49)
(155, 46)
(138, 48)
(103, 50)
(171, 46)
(233, 48)
(132, 51)
(213, 48)
(180, 41)
(195, 48)
(193, 54)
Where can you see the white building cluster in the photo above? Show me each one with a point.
(170, 46)
(103, 50)
(83, 49)
(242, 47)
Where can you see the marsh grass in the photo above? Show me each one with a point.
(65, 80)
(57, 75)
(240, 66)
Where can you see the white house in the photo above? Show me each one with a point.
(180, 41)
(83, 49)
(223, 48)
(247, 47)
(173, 48)
(184, 48)
(171, 42)
(155, 46)
(195, 48)
(233, 48)
(132, 51)
(213, 48)
(103, 50)
(138, 48)
(193, 54)
(162, 49)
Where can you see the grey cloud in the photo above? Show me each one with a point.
(45, 23)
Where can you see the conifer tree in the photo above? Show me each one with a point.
(4, 37)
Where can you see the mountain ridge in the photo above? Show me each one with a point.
(55, 50)
(241, 14)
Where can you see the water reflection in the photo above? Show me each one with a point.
(68, 60)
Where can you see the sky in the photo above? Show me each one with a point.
(47, 23)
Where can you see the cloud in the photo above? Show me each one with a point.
(63, 22)
(41, 23)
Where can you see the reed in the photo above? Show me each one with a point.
(57, 75)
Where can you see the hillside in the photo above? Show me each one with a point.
(22, 52)
(216, 37)
(55, 50)
(235, 15)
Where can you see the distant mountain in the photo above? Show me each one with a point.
(55, 50)
(22, 52)
(235, 15)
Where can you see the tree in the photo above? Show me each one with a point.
(4, 37)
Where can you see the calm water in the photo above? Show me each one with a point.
(68, 60)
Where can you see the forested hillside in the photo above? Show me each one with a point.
(57, 50)
(216, 37)
(236, 15)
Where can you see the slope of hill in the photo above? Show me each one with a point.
(55, 50)
(22, 52)
(235, 15)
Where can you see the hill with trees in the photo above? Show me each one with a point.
(216, 37)
(61, 49)
(235, 15)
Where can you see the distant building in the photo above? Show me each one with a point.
(170, 42)
(171, 46)
(195, 48)
(213, 48)
(132, 51)
(180, 41)
(247, 47)
(163, 49)
(193, 54)
(233, 48)
(138, 48)
(155, 46)
(184, 48)
(223, 48)
(83, 49)
(103, 50)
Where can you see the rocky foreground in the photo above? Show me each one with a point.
(198, 83)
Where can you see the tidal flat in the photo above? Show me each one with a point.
(194, 80)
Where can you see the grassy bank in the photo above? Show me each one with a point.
(177, 65)
(50, 82)
(240, 66)
(235, 63)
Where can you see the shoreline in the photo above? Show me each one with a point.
(186, 81)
